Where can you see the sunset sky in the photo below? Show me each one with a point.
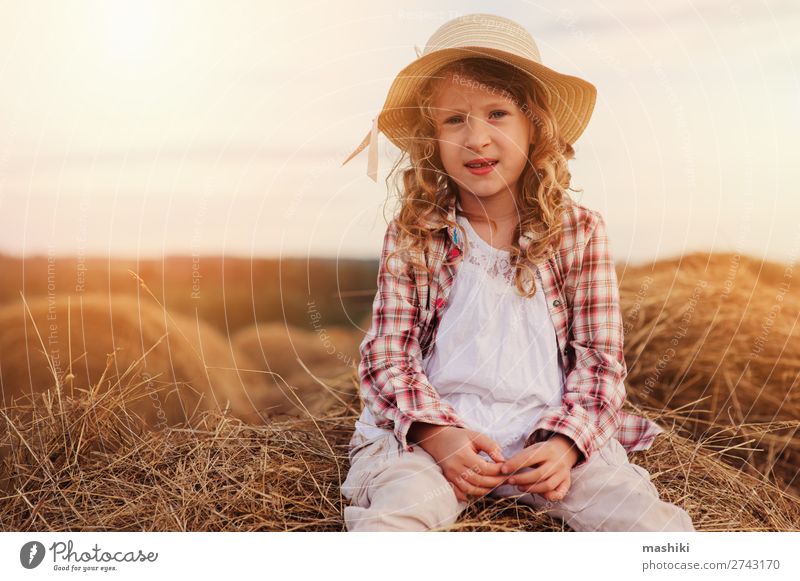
(144, 128)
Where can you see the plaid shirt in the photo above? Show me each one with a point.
(580, 285)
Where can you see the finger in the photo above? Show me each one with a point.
(469, 489)
(481, 466)
(484, 443)
(523, 458)
(472, 488)
(541, 473)
(560, 491)
(483, 481)
(544, 486)
(459, 495)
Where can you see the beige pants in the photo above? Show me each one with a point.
(391, 490)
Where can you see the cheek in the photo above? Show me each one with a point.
(515, 160)
(517, 146)
(448, 152)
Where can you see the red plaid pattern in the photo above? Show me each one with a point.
(580, 285)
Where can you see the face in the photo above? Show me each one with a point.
(474, 121)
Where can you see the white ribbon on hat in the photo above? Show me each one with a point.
(371, 140)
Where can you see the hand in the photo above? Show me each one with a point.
(553, 459)
(456, 451)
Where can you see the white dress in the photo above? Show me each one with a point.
(495, 358)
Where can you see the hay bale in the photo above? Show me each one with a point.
(228, 476)
(293, 360)
(715, 336)
(163, 366)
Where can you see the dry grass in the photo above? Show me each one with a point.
(716, 337)
(167, 366)
(296, 362)
(78, 465)
(709, 346)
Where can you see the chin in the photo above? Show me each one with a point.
(482, 189)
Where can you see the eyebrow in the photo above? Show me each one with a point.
(493, 105)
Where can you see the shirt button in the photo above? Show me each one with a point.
(557, 303)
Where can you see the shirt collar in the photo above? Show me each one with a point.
(455, 236)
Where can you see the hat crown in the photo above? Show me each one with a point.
(484, 31)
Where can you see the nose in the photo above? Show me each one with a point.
(477, 134)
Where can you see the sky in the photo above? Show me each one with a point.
(144, 128)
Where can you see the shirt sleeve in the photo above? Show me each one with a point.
(594, 393)
(393, 383)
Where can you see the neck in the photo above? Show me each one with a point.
(498, 210)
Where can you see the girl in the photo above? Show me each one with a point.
(494, 361)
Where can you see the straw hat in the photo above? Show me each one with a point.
(478, 35)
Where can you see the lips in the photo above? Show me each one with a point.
(481, 168)
(481, 162)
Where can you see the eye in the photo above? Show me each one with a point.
(457, 118)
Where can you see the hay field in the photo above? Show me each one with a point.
(296, 362)
(84, 450)
(714, 338)
(166, 366)
(224, 475)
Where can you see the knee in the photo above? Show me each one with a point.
(411, 496)
(675, 519)
(625, 506)
(417, 492)
(656, 515)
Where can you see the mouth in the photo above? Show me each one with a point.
(479, 163)
(481, 167)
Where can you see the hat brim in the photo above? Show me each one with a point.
(571, 99)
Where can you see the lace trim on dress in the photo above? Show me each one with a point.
(495, 263)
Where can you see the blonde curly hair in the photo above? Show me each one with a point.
(426, 191)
